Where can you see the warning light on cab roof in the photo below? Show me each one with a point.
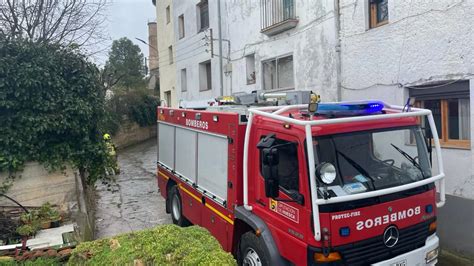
(350, 108)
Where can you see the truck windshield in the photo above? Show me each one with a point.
(372, 160)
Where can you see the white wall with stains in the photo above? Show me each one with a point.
(312, 43)
(424, 41)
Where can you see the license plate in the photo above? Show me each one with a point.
(400, 263)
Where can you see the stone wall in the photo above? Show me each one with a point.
(131, 133)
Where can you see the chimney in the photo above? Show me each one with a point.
(153, 46)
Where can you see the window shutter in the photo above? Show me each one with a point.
(455, 90)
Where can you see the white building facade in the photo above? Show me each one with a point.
(268, 45)
(346, 50)
(391, 50)
(197, 62)
(166, 50)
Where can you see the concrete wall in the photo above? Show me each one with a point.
(35, 186)
(131, 133)
(424, 41)
(165, 39)
(312, 43)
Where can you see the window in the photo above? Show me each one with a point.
(170, 54)
(278, 73)
(250, 62)
(205, 77)
(277, 16)
(181, 26)
(184, 80)
(288, 167)
(168, 98)
(203, 15)
(372, 160)
(168, 15)
(450, 106)
(378, 13)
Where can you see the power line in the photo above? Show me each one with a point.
(409, 86)
(175, 55)
(403, 43)
(186, 42)
(164, 63)
(164, 50)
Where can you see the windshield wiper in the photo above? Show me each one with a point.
(409, 158)
(358, 168)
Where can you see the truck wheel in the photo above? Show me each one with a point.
(177, 208)
(252, 250)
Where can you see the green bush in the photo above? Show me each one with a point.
(136, 105)
(51, 105)
(162, 245)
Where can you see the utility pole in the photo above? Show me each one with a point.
(219, 27)
(337, 22)
(211, 43)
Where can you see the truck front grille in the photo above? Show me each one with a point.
(373, 250)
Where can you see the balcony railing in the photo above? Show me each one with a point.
(277, 16)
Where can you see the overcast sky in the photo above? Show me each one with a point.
(128, 18)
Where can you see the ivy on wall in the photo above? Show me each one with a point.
(51, 106)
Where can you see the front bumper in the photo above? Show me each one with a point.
(415, 257)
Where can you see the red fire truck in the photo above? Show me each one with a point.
(309, 183)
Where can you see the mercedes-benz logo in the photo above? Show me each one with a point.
(390, 236)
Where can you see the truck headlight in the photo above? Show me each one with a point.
(432, 255)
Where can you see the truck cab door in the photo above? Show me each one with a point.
(287, 212)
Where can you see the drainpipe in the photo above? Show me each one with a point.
(337, 24)
(219, 28)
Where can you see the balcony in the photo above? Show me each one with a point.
(277, 16)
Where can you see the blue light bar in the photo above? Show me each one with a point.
(350, 108)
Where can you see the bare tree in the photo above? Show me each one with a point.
(67, 22)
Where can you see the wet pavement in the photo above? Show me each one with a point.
(132, 202)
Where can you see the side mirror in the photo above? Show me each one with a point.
(270, 162)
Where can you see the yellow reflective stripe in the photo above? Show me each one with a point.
(207, 205)
(163, 175)
(220, 214)
(189, 192)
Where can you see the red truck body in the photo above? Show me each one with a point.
(353, 233)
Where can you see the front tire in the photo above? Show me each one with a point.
(252, 250)
(176, 207)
